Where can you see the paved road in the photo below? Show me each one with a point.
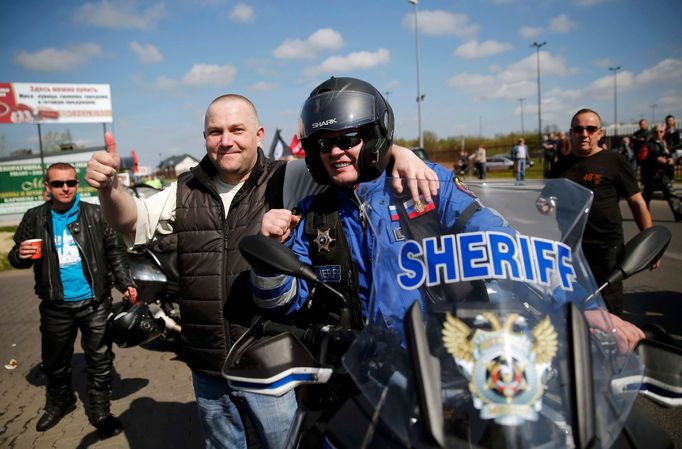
(152, 388)
(153, 391)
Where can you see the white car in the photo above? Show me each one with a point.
(499, 163)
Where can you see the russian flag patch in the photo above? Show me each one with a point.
(394, 213)
(421, 207)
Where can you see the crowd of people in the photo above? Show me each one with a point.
(236, 191)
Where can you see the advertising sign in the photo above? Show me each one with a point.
(21, 186)
(55, 103)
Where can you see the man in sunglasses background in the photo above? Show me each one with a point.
(609, 175)
(78, 252)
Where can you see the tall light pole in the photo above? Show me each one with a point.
(537, 51)
(523, 131)
(615, 98)
(419, 83)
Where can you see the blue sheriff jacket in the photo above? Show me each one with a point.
(285, 294)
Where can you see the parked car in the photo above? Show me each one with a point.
(495, 163)
(531, 162)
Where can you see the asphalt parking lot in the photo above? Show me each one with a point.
(152, 388)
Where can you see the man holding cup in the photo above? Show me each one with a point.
(73, 251)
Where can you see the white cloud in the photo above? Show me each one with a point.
(518, 80)
(530, 32)
(442, 23)
(360, 60)
(665, 71)
(120, 15)
(55, 60)
(560, 24)
(321, 40)
(242, 13)
(263, 86)
(209, 75)
(510, 82)
(670, 100)
(474, 49)
(146, 53)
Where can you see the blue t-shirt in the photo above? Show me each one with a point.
(76, 287)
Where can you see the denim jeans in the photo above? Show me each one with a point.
(222, 423)
(520, 170)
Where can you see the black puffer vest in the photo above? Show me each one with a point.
(216, 303)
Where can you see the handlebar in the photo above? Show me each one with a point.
(321, 340)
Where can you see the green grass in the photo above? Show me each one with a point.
(4, 262)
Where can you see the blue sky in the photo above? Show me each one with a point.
(166, 60)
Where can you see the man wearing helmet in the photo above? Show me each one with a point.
(210, 209)
(346, 128)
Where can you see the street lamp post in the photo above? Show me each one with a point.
(537, 51)
(523, 131)
(419, 84)
(615, 98)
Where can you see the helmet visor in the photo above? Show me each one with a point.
(336, 111)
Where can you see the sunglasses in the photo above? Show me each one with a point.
(344, 142)
(590, 129)
(60, 184)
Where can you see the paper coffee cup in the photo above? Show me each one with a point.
(38, 245)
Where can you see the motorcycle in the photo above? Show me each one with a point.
(505, 340)
(154, 270)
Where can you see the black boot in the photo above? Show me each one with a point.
(56, 408)
(100, 416)
(109, 425)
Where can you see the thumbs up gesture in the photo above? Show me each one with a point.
(103, 165)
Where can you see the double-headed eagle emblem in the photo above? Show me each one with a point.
(505, 367)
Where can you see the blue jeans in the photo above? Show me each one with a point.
(222, 423)
(520, 170)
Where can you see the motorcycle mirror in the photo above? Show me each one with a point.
(643, 250)
(267, 255)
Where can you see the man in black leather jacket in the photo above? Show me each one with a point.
(78, 253)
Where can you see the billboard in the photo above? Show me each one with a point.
(21, 186)
(55, 103)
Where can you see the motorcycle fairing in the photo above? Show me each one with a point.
(549, 382)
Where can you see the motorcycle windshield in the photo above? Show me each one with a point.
(494, 269)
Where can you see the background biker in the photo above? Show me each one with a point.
(342, 155)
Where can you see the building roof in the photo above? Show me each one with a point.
(172, 161)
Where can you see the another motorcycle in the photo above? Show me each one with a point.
(505, 341)
(154, 270)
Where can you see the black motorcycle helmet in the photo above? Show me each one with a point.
(347, 103)
(133, 324)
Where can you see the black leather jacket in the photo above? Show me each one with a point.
(101, 251)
